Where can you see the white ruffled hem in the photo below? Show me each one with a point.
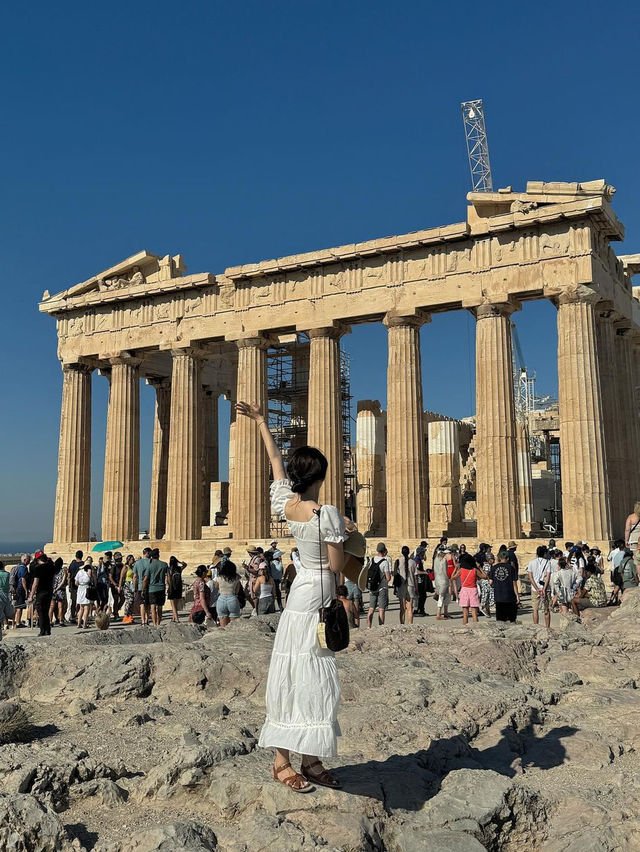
(319, 740)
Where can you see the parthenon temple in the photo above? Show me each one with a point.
(197, 337)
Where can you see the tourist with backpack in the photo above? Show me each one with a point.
(378, 577)
(628, 571)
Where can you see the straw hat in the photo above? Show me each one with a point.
(355, 548)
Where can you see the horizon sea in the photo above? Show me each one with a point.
(11, 548)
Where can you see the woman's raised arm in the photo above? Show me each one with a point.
(254, 412)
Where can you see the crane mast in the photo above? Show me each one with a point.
(477, 146)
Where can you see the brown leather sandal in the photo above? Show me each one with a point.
(324, 778)
(295, 782)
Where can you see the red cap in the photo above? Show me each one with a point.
(38, 554)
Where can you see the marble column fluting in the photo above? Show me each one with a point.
(121, 497)
(406, 475)
(160, 458)
(184, 485)
(498, 510)
(618, 476)
(525, 482)
(370, 465)
(73, 489)
(445, 500)
(324, 421)
(585, 504)
(627, 413)
(210, 461)
(250, 502)
(232, 456)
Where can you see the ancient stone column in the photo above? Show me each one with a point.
(184, 485)
(626, 411)
(232, 456)
(525, 484)
(121, 497)
(445, 500)
(498, 509)
(324, 422)
(73, 490)
(618, 475)
(251, 510)
(160, 458)
(585, 505)
(406, 475)
(371, 494)
(210, 461)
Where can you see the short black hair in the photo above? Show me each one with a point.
(342, 592)
(147, 550)
(541, 550)
(155, 553)
(306, 466)
(79, 554)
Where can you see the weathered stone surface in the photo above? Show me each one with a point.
(174, 837)
(26, 826)
(453, 738)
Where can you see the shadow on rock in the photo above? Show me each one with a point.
(407, 781)
(79, 831)
(520, 749)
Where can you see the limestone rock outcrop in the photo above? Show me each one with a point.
(457, 738)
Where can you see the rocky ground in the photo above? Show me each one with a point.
(487, 737)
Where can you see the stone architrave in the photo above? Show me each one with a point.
(406, 463)
(121, 497)
(370, 463)
(184, 486)
(627, 413)
(160, 458)
(618, 474)
(324, 422)
(585, 504)
(498, 509)
(445, 500)
(523, 451)
(250, 502)
(73, 491)
(210, 461)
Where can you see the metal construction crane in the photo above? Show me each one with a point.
(477, 146)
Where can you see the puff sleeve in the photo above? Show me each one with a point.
(332, 526)
(281, 493)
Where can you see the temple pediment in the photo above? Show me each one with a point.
(134, 273)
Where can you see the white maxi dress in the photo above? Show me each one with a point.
(303, 691)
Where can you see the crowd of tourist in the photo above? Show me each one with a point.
(39, 590)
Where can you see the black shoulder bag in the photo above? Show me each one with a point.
(333, 624)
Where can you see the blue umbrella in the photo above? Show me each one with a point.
(103, 546)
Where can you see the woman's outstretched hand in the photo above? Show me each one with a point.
(251, 410)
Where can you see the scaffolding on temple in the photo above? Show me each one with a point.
(288, 393)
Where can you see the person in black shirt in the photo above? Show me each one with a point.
(74, 566)
(503, 577)
(43, 572)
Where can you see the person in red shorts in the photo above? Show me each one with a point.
(469, 573)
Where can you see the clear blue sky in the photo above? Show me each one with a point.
(232, 132)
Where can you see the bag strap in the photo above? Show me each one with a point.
(318, 511)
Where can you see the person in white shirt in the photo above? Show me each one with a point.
(539, 571)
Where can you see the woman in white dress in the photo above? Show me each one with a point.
(303, 691)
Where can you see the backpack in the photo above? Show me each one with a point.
(13, 579)
(625, 574)
(373, 576)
